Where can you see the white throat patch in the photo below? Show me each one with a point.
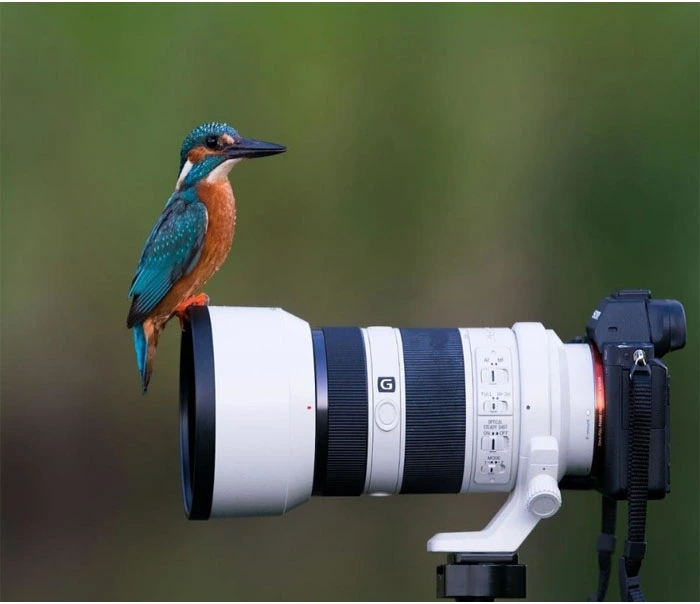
(221, 171)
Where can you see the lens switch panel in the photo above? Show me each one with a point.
(495, 421)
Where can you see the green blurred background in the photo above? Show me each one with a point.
(448, 165)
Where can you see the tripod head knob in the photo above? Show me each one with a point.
(543, 496)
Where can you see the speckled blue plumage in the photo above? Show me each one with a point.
(171, 251)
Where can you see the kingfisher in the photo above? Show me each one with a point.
(191, 238)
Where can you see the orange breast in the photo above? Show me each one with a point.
(221, 211)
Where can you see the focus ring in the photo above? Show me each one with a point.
(435, 411)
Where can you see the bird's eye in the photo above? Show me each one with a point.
(212, 142)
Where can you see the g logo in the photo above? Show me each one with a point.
(386, 384)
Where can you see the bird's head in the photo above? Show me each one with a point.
(211, 150)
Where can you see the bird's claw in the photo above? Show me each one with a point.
(182, 308)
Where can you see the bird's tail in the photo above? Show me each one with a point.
(145, 342)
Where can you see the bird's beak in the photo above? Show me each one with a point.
(248, 147)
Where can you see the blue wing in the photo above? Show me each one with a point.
(171, 251)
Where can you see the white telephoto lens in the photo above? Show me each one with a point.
(273, 411)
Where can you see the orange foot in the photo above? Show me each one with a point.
(181, 309)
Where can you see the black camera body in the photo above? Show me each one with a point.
(622, 324)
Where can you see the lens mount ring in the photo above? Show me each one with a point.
(599, 435)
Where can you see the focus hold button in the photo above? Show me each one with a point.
(543, 496)
(387, 415)
(495, 406)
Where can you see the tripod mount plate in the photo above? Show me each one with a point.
(481, 577)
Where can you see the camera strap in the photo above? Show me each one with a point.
(605, 547)
(637, 479)
(640, 394)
